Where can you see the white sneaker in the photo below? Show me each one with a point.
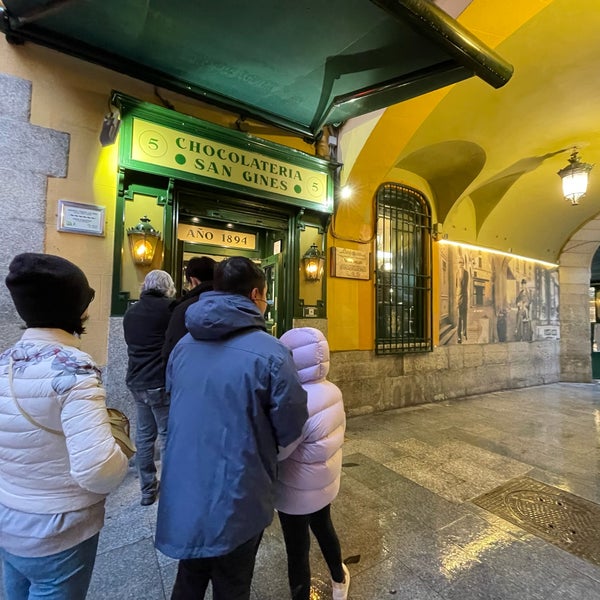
(340, 590)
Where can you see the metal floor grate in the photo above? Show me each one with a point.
(567, 521)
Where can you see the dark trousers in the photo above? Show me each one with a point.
(462, 321)
(231, 574)
(297, 545)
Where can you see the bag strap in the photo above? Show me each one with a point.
(21, 410)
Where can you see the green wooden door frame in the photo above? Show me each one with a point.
(166, 192)
(129, 185)
(167, 180)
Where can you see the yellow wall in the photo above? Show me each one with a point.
(350, 302)
(71, 96)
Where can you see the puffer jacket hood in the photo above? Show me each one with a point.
(310, 351)
(218, 315)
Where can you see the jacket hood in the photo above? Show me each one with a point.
(310, 351)
(218, 315)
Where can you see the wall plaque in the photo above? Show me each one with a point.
(351, 264)
(75, 217)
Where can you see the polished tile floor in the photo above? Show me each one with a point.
(404, 514)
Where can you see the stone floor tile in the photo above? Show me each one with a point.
(403, 512)
(368, 471)
(483, 583)
(496, 521)
(580, 588)
(270, 572)
(476, 535)
(502, 465)
(476, 472)
(357, 499)
(560, 562)
(432, 477)
(580, 486)
(521, 562)
(168, 572)
(127, 526)
(127, 573)
(418, 449)
(374, 538)
(436, 560)
(422, 504)
(374, 449)
(391, 580)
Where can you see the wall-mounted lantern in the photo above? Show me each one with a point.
(313, 264)
(143, 240)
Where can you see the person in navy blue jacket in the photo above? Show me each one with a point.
(235, 400)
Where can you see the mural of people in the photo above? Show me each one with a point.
(496, 298)
(523, 330)
(462, 300)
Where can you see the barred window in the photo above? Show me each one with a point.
(403, 271)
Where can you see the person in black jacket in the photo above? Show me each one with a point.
(144, 325)
(199, 274)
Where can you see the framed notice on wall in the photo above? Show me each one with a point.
(351, 264)
(74, 217)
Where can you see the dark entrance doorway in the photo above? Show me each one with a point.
(208, 224)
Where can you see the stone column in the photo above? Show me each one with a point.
(30, 155)
(574, 277)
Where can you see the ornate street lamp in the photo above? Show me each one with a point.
(575, 178)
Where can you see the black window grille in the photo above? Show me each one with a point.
(403, 271)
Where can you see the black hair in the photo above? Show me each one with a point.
(238, 275)
(200, 267)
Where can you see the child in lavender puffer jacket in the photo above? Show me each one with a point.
(310, 468)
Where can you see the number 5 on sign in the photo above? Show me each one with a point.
(152, 143)
(315, 187)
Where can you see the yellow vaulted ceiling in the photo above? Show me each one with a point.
(488, 158)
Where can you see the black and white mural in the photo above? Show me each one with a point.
(487, 298)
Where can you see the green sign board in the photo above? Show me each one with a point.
(161, 141)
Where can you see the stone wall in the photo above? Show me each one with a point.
(30, 155)
(117, 394)
(373, 383)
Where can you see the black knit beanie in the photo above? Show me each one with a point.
(49, 291)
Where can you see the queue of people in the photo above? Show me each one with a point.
(245, 424)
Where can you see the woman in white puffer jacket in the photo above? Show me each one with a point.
(310, 468)
(58, 457)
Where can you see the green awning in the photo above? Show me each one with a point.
(298, 65)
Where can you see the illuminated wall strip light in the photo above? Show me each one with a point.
(481, 249)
